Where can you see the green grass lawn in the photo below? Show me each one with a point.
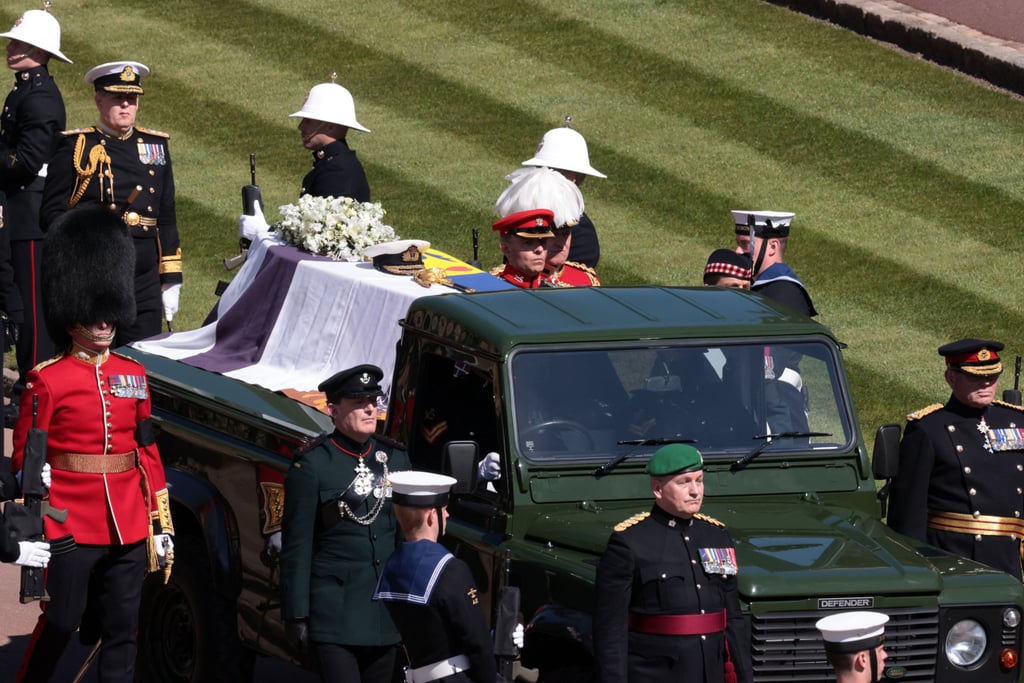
(906, 178)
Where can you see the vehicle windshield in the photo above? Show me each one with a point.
(581, 404)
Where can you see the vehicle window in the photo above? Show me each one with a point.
(454, 402)
(582, 404)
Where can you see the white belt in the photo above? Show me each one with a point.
(432, 672)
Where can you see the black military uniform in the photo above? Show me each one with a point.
(336, 172)
(338, 530)
(667, 603)
(30, 126)
(432, 598)
(141, 187)
(8, 541)
(585, 247)
(961, 471)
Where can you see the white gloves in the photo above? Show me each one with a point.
(489, 469)
(517, 636)
(44, 475)
(253, 227)
(164, 545)
(33, 553)
(274, 542)
(170, 295)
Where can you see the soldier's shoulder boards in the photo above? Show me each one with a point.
(306, 448)
(918, 414)
(388, 441)
(78, 131)
(710, 520)
(635, 519)
(1011, 406)
(581, 266)
(47, 362)
(149, 131)
(124, 357)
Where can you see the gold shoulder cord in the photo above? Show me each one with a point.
(98, 159)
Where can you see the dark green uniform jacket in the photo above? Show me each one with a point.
(330, 565)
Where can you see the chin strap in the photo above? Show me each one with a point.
(759, 259)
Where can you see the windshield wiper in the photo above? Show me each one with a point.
(614, 462)
(767, 439)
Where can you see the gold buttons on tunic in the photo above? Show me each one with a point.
(950, 428)
(959, 448)
(967, 470)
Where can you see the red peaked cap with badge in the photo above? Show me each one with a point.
(973, 356)
(532, 224)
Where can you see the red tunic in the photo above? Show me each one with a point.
(93, 408)
(523, 280)
(573, 274)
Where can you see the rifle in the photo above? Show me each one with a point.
(476, 249)
(250, 195)
(1013, 395)
(506, 617)
(27, 519)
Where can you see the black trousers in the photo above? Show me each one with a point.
(34, 343)
(355, 664)
(117, 573)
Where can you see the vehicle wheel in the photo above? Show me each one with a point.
(187, 630)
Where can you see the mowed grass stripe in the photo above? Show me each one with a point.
(661, 205)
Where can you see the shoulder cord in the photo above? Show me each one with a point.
(98, 159)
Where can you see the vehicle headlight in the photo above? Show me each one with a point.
(1011, 618)
(965, 643)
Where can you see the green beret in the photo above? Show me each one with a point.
(673, 459)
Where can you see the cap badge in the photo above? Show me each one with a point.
(364, 378)
(984, 354)
(412, 254)
(128, 74)
(539, 222)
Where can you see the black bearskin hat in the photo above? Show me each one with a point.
(88, 272)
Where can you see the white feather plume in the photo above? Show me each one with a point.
(541, 188)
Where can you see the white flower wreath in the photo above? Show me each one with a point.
(338, 227)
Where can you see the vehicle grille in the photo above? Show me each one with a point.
(787, 647)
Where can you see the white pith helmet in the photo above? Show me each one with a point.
(331, 103)
(39, 29)
(566, 150)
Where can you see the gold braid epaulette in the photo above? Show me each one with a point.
(98, 157)
(1011, 406)
(150, 131)
(635, 519)
(918, 414)
(710, 520)
(581, 266)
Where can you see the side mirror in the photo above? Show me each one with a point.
(460, 461)
(885, 457)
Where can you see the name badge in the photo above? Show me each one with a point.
(719, 561)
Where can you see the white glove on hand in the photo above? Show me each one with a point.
(253, 227)
(517, 636)
(45, 475)
(489, 469)
(33, 553)
(170, 296)
(274, 542)
(164, 544)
